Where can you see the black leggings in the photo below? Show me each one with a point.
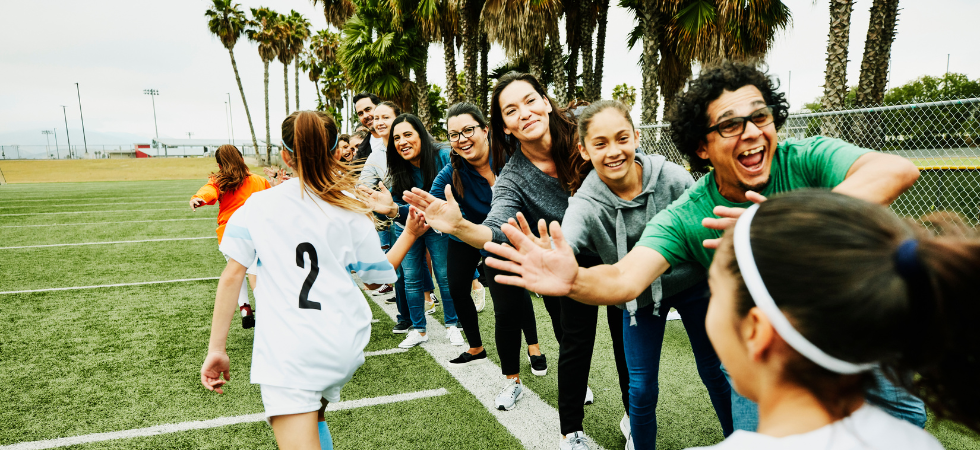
(513, 312)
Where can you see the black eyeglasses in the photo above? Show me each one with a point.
(465, 132)
(735, 126)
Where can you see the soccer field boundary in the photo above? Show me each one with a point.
(110, 242)
(93, 204)
(213, 423)
(101, 198)
(92, 212)
(104, 223)
(141, 283)
(533, 422)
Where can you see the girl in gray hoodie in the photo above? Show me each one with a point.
(606, 216)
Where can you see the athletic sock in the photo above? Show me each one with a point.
(326, 442)
(243, 294)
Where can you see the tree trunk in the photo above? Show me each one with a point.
(651, 64)
(558, 84)
(877, 52)
(484, 70)
(586, 27)
(600, 50)
(319, 98)
(470, 24)
(255, 142)
(535, 65)
(422, 89)
(571, 36)
(296, 82)
(449, 53)
(268, 131)
(835, 82)
(881, 76)
(285, 82)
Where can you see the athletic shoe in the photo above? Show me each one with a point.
(575, 441)
(384, 290)
(589, 399)
(466, 358)
(629, 443)
(401, 328)
(433, 299)
(414, 338)
(430, 307)
(624, 426)
(248, 317)
(539, 364)
(392, 299)
(455, 336)
(479, 298)
(507, 398)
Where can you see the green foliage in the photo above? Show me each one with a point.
(437, 111)
(929, 89)
(264, 31)
(227, 21)
(322, 63)
(625, 93)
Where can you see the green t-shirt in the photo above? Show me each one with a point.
(677, 233)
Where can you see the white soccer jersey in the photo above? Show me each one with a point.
(312, 322)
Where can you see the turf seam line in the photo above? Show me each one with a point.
(109, 285)
(91, 204)
(213, 423)
(110, 242)
(390, 351)
(92, 212)
(104, 223)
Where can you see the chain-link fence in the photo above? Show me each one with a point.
(942, 138)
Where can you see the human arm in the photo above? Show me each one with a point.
(555, 272)
(381, 201)
(415, 226)
(206, 195)
(217, 363)
(878, 178)
(444, 216)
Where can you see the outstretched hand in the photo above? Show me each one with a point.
(726, 218)
(415, 223)
(196, 203)
(215, 365)
(541, 240)
(380, 200)
(442, 215)
(550, 272)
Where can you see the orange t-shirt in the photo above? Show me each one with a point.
(229, 202)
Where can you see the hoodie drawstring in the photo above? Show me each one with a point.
(620, 253)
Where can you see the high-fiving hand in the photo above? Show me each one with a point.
(380, 200)
(726, 218)
(415, 223)
(442, 215)
(550, 272)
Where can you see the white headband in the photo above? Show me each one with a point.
(760, 295)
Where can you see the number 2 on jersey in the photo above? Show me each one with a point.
(306, 247)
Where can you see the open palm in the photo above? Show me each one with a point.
(442, 215)
(550, 272)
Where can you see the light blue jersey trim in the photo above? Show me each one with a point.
(237, 232)
(364, 267)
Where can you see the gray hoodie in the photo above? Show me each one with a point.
(599, 221)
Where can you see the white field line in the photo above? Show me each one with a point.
(92, 204)
(213, 423)
(111, 242)
(534, 422)
(108, 285)
(97, 198)
(92, 212)
(103, 223)
(390, 351)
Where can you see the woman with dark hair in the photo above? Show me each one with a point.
(814, 290)
(413, 162)
(537, 180)
(230, 187)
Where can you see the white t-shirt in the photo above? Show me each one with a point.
(868, 428)
(376, 164)
(378, 144)
(314, 323)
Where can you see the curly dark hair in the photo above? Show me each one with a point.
(689, 119)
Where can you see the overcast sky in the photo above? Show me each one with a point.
(115, 49)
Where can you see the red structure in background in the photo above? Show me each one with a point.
(140, 153)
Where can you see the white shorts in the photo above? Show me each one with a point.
(251, 270)
(280, 401)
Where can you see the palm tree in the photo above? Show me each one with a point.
(300, 33)
(877, 52)
(652, 16)
(521, 27)
(266, 34)
(835, 81)
(440, 20)
(469, 14)
(285, 27)
(228, 22)
(337, 11)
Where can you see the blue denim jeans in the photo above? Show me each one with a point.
(643, 344)
(894, 400)
(416, 271)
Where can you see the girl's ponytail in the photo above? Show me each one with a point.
(232, 169)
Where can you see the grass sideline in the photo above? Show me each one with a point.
(129, 169)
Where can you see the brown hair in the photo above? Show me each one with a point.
(832, 265)
(568, 162)
(585, 120)
(331, 180)
(459, 109)
(232, 170)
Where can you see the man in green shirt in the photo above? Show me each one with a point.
(727, 122)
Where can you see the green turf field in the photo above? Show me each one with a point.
(77, 362)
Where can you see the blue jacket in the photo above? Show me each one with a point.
(477, 193)
(442, 159)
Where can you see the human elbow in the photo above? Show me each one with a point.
(908, 174)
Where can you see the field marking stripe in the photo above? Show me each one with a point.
(103, 223)
(91, 204)
(390, 351)
(213, 423)
(111, 242)
(93, 212)
(94, 198)
(108, 285)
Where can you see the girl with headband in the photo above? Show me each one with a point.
(812, 290)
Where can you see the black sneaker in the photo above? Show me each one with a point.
(402, 328)
(248, 316)
(468, 358)
(539, 364)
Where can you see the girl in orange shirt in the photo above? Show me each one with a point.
(230, 187)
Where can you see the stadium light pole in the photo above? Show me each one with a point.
(65, 111)
(56, 148)
(230, 119)
(47, 140)
(84, 139)
(153, 93)
(227, 123)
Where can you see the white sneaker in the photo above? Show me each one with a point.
(479, 298)
(414, 338)
(455, 336)
(629, 443)
(430, 307)
(575, 441)
(673, 315)
(624, 426)
(507, 398)
(589, 398)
